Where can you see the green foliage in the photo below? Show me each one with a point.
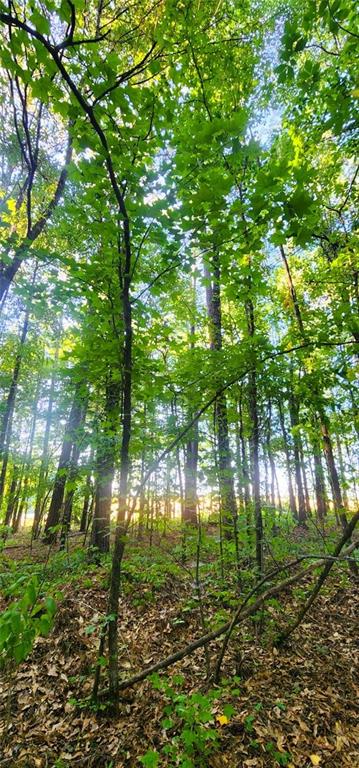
(280, 758)
(24, 620)
(189, 722)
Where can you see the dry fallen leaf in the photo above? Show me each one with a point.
(222, 719)
(315, 759)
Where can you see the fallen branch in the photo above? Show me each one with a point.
(329, 561)
(322, 578)
(242, 615)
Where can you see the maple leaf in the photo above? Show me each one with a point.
(315, 759)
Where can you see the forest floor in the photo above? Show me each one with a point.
(296, 705)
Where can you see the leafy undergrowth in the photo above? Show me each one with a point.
(293, 706)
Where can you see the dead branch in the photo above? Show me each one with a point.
(322, 578)
(244, 614)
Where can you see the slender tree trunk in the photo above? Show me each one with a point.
(279, 497)
(178, 463)
(18, 515)
(189, 508)
(6, 424)
(239, 464)
(54, 513)
(292, 502)
(254, 443)
(30, 447)
(319, 485)
(245, 470)
(88, 495)
(225, 470)
(11, 496)
(324, 424)
(45, 450)
(105, 469)
(190, 477)
(66, 519)
(293, 293)
(342, 472)
(294, 419)
(266, 480)
(270, 456)
(333, 475)
(308, 510)
(254, 448)
(142, 501)
(120, 532)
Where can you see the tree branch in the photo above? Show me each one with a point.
(242, 615)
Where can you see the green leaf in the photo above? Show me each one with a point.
(150, 759)
(41, 23)
(50, 605)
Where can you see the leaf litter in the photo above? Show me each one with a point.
(299, 701)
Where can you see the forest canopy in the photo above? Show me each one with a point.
(179, 296)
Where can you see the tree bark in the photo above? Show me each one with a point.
(190, 478)
(54, 513)
(66, 518)
(29, 450)
(294, 419)
(11, 496)
(87, 495)
(105, 468)
(6, 424)
(254, 443)
(45, 450)
(120, 531)
(225, 470)
(333, 475)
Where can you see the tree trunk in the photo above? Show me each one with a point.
(29, 450)
(254, 443)
(120, 532)
(294, 419)
(319, 485)
(308, 510)
(225, 470)
(245, 471)
(11, 496)
(333, 475)
(66, 518)
(342, 472)
(324, 425)
(190, 478)
(45, 450)
(292, 502)
(54, 513)
(6, 424)
(105, 469)
(87, 495)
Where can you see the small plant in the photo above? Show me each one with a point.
(250, 719)
(190, 725)
(281, 758)
(150, 759)
(87, 703)
(249, 723)
(23, 621)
